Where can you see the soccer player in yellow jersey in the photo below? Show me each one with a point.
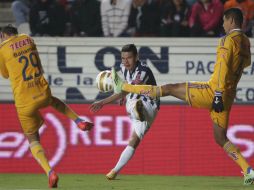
(20, 62)
(217, 95)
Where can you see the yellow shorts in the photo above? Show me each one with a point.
(30, 117)
(200, 95)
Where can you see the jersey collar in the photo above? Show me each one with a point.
(235, 29)
(7, 40)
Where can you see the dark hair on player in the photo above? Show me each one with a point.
(236, 14)
(9, 30)
(130, 48)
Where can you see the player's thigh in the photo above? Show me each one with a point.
(221, 119)
(134, 140)
(177, 90)
(140, 127)
(199, 95)
(30, 119)
(150, 111)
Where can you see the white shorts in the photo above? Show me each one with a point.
(149, 111)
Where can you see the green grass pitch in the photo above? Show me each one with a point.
(123, 182)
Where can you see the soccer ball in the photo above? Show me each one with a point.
(104, 81)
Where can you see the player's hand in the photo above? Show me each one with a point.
(96, 106)
(217, 102)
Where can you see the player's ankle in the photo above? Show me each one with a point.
(78, 120)
(50, 171)
(248, 170)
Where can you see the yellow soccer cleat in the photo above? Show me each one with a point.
(111, 175)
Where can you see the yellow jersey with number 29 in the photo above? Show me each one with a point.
(20, 62)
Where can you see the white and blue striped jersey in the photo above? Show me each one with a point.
(141, 74)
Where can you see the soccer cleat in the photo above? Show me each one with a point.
(53, 179)
(85, 125)
(249, 177)
(111, 175)
(117, 81)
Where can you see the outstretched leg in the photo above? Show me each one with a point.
(61, 107)
(177, 90)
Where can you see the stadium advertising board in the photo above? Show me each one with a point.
(71, 64)
(179, 143)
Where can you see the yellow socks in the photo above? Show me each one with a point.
(236, 155)
(39, 155)
(63, 108)
(152, 91)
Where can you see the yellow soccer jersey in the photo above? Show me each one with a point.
(233, 55)
(19, 60)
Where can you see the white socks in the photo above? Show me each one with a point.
(124, 158)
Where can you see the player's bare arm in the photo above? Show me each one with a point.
(96, 106)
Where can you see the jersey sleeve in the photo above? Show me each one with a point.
(248, 60)
(224, 55)
(3, 70)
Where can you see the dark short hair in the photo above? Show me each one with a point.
(9, 30)
(236, 14)
(130, 48)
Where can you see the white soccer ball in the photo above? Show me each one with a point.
(104, 81)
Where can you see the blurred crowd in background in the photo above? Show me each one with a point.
(128, 18)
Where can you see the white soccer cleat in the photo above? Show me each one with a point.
(249, 177)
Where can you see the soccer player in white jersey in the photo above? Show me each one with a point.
(141, 109)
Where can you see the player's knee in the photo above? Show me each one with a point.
(134, 142)
(54, 102)
(220, 140)
(168, 88)
(220, 135)
(32, 137)
(178, 90)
